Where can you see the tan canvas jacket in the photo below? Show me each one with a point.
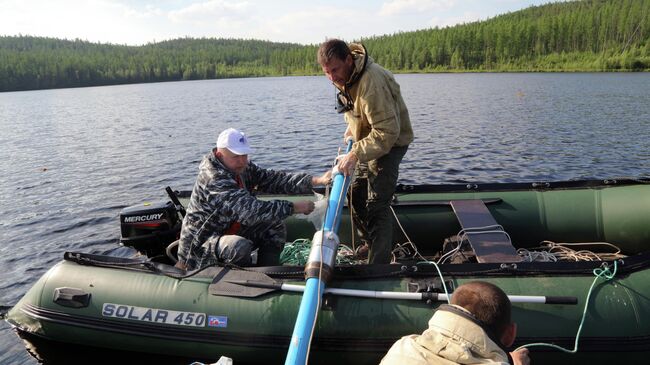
(450, 339)
(379, 119)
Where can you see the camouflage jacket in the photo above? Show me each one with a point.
(217, 202)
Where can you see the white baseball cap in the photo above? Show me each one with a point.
(235, 141)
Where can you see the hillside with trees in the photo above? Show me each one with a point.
(589, 35)
(596, 35)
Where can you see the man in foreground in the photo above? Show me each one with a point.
(475, 329)
(225, 221)
(379, 123)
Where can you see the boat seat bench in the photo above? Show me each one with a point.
(488, 240)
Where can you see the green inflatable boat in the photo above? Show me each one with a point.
(548, 240)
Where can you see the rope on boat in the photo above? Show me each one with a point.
(536, 256)
(564, 252)
(418, 254)
(552, 252)
(463, 237)
(406, 249)
(601, 272)
(297, 252)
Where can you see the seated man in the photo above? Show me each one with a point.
(225, 221)
(474, 329)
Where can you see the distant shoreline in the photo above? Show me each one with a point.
(318, 75)
(574, 36)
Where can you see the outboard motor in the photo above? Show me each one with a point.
(150, 227)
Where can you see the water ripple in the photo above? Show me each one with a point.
(73, 158)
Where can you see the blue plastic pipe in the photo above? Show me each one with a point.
(336, 201)
(314, 288)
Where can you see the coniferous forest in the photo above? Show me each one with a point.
(588, 35)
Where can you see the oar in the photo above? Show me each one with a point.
(540, 299)
(320, 264)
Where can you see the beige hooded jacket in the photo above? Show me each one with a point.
(451, 339)
(379, 120)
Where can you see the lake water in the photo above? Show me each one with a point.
(71, 159)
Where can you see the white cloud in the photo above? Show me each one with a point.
(301, 25)
(149, 12)
(397, 7)
(206, 13)
(93, 20)
(141, 21)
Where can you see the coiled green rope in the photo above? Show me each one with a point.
(297, 253)
(601, 272)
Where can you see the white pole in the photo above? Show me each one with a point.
(420, 296)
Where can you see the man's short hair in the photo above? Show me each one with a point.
(333, 48)
(487, 302)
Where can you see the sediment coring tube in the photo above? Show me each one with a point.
(318, 271)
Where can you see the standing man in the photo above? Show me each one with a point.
(224, 219)
(379, 123)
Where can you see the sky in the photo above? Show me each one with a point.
(140, 22)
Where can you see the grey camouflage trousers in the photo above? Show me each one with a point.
(269, 239)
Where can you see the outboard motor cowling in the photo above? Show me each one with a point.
(150, 227)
